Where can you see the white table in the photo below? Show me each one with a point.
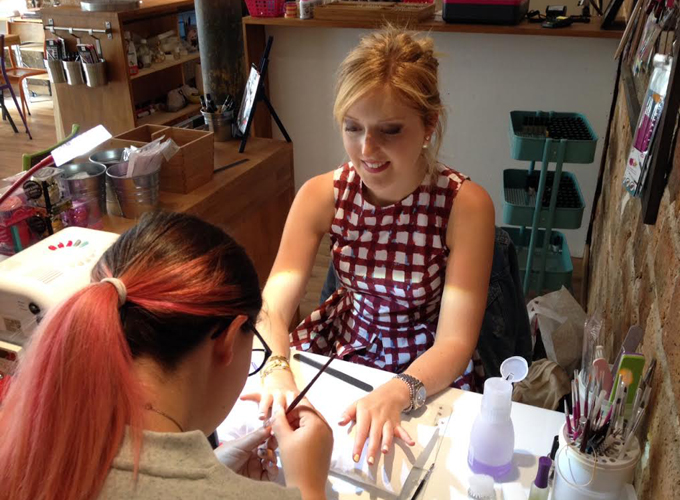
(534, 431)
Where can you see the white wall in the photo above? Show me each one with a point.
(482, 78)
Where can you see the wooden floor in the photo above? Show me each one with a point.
(12, 146)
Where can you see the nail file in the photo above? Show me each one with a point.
(630, 344)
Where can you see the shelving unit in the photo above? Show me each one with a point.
(113, 105)
(164, 117)
(545, 200)
(168, 63)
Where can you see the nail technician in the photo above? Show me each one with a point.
(411, 242)
(123, 381)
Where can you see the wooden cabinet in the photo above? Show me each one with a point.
(113, 105)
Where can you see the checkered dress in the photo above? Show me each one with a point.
(391, 264)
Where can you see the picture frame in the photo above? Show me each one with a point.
(246, 111)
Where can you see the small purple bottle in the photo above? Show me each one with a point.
(492, 441)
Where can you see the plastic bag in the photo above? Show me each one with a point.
(560, 320)
(149, 158)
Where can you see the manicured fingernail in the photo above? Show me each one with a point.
(356, 458)
(261, 453)
(370, 460)
(385, 449)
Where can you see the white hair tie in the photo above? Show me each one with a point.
(120, 288)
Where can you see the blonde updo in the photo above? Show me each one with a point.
(397, 59)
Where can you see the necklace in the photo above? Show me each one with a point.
(163, 414)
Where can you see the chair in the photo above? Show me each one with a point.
(30, 159)
(7, 84)
(17, 75)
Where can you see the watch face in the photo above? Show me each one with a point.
(420, 396)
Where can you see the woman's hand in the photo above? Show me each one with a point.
(251, 455)
(378, 419)
(305, 443)
(277, 388)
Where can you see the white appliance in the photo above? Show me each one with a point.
(38, 278)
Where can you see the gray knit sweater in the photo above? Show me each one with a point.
(182, 466)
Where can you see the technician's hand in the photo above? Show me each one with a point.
(277, 388)
(251, 455)
(378, 419)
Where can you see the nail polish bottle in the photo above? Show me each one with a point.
(539, 488)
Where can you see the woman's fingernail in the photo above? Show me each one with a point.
(370, 460)
(356, 458)
(261, 453)
(385, 449)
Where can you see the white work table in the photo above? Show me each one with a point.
(534, 432)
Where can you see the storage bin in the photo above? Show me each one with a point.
(266, 8)
(193, 164)
(141, 134)
(519, 202)
(55, 70)
(530, 129)
(74, 72)
(484, 11)
(95, 74)
(558, 265)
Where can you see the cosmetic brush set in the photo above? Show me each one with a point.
(607, 409)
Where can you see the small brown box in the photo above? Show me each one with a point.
(145, 133)
(193, 164)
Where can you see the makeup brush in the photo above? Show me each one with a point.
(302, 394)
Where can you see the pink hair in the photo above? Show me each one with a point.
(65, 413)
(60, 434)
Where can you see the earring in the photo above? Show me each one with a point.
(427, 143)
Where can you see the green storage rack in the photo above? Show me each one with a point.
(547, 199)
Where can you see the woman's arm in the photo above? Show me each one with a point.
(470, 238)
(309, 219)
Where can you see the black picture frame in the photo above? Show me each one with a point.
(609, 15)
(663, 147)
(253, 95)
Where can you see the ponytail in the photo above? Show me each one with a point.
(66, 411)
(75, 392)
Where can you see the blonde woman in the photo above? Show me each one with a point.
(411, 242)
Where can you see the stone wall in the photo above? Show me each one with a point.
(634, 279)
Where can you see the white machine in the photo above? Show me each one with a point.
(38, 278)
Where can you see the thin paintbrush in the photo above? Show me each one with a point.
(302, 394)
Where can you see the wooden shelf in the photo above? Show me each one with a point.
(164, 117)
(576, 30)
(168, 63)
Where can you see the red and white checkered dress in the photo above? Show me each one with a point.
(391, 263)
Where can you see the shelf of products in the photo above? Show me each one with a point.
(168, 63)
(165, 117)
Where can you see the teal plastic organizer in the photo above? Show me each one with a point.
(530, 129)
(558, 266)
(519, 203)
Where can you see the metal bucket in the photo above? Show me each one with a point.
(219, 124)
(89, 189)
(108, 157)
(134, 195)
(74, 72)
(95, 74)
(55, 70)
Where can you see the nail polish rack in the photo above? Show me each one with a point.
(539, 201)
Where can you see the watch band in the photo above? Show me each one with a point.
(413, 385)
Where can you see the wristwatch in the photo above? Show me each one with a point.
(416, 390)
